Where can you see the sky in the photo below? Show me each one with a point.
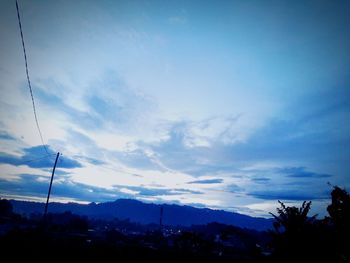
(223, 104)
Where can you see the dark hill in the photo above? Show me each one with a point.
(146, 213)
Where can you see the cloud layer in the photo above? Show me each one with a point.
(224, 106)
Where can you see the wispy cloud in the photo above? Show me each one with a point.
(6, 136)
(154, 192)
(260, 180)
(30, 185)
(207, 181)
(35, 157)
(301, 172)
(287, 195)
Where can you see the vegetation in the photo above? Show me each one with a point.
(296, 236)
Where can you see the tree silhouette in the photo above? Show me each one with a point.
(293, 220)
(339, 211)
(293, 235)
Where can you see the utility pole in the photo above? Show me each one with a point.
(48, 194)
(161, 217)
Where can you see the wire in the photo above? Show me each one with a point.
(28, 80)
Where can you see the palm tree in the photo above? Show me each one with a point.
(293, 219)
(293, 235)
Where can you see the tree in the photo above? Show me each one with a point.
(293, 238)
(293, 219)
(339, 209)
(339, 212)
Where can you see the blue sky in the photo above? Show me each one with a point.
(229, 105)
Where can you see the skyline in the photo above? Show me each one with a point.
(231, 105)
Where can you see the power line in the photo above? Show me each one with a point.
(28, 80)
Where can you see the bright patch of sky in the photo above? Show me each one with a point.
(225, 104)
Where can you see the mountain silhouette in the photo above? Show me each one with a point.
(147, 213)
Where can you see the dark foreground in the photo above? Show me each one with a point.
(296, 237)
(66, 236)
(39, 246)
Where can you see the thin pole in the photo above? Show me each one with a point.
(48, 194)
(161, 217)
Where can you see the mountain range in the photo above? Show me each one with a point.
(147, 213)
